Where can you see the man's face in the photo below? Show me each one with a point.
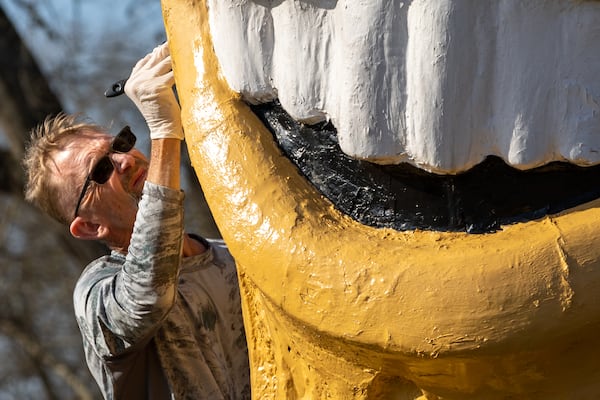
(112, 204)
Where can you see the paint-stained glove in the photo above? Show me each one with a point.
(150, 87)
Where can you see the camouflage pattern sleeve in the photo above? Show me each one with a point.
(120, 300)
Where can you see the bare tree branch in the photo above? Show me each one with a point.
(25, 95)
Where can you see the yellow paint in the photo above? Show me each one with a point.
(335, 309)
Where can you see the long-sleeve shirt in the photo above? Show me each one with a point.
(159, 326)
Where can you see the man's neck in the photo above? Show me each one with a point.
(192, 247)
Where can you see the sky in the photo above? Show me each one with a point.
(81, 21)
(96, 41)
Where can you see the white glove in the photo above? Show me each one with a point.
(150, 87)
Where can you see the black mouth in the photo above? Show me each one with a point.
(404, 197)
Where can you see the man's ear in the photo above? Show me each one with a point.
(84, 229)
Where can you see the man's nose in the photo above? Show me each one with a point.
(122, 161)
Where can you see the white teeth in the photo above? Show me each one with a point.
(438, 83)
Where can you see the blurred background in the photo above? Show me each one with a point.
(61, 55)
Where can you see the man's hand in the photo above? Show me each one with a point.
(150, 87)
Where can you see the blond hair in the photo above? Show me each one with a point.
(42, 187)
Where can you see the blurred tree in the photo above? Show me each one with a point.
(33, 326)
(24, 93)
(39, 260)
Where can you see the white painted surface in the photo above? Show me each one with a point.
(437, 83)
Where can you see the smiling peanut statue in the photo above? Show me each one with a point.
(409, 189)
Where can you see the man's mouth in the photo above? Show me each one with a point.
(138, 180)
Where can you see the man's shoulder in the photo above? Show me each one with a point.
(105, 265)
(98, 270)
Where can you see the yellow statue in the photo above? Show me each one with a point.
(337, 309)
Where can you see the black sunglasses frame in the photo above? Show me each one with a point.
(123, 142)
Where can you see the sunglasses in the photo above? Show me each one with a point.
(104, 167)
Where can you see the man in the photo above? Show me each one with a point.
(160, 316)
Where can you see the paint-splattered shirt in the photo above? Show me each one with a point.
(159, 326)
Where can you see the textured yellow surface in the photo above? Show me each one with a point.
(335, 309)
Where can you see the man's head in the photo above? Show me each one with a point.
(84, 178)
